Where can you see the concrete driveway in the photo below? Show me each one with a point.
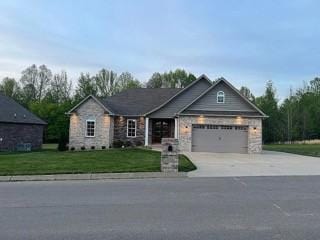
(265, 164)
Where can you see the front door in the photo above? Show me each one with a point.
(160, 129)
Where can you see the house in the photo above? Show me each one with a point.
(19, 128)
(204, 116)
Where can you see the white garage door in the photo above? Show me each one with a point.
(219, 138)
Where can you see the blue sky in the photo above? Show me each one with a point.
(247, 42)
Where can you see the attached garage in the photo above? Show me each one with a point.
(219, 138)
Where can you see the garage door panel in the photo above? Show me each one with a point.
(219, 138)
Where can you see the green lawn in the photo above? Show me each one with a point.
(302, 149)
(50, 161)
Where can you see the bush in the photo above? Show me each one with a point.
(128, 144)
(103, 147)
(117, 144)
(62, 144)
(72, 148)
(93, 147)
(83, 148)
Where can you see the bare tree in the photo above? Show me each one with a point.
(60, 88)
(106, 82)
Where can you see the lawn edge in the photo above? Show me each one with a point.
(93, 176)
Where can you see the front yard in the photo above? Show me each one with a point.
(50, 161)
(302, 149)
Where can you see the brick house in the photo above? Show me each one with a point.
(204, 116)
(18, 126)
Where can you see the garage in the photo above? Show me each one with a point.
(219, 138)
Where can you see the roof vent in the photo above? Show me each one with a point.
(15, 115)
(24, 116)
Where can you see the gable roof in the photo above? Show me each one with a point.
(13, 112)
(232, 88)
(133, 102)
(203, 76)
(97, 100)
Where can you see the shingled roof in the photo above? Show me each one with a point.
(13, 112)
(138, 101)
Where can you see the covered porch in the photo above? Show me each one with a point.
(158, 128)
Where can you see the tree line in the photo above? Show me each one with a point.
(50, 95)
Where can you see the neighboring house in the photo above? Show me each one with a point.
(204, 116)
(19, 128)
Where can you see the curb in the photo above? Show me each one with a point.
(93, 176)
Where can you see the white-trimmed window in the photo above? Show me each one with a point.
(90, 128)
(131, 127)
(220, 97)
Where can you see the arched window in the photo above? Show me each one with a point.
(220, 97)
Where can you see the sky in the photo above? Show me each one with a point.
(246, 42)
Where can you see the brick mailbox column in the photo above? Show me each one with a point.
(169, 155)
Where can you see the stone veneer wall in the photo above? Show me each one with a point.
(90, 110)
(254, 136)
(120, 130)
(12, 134)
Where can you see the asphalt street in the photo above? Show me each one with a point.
(192, 208)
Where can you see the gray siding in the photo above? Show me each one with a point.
(183, 99)
(233, 102)
(13, 134)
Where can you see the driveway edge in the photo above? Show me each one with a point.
(91, 176)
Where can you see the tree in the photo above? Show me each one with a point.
(127, 81)
(86, 86)
(60, 88)
(155, 81)
(269, 105)
(106, 82)
(172, 79)
(54, 115)
(10, 88)
(315, 85)
(34, 82)
(247, 93)
(45, 76)
(29, 81)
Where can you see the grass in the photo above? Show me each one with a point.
(50, 161)
(302, 149)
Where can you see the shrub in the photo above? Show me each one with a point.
(83, 148)
(93, 147)
(128, 144)
(117, 144)
(72, 148)
(62, 144)
(103, 147)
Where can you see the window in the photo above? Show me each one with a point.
(220, 97)
(91, 124)
(131, 127)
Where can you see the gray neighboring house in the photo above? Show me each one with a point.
(18, 126)
(204, 116)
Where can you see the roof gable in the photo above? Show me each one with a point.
(173, 105)
(234, 102)
(98, 101)
(13, 112)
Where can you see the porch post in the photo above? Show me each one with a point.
(176, 127)
(146, 132)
